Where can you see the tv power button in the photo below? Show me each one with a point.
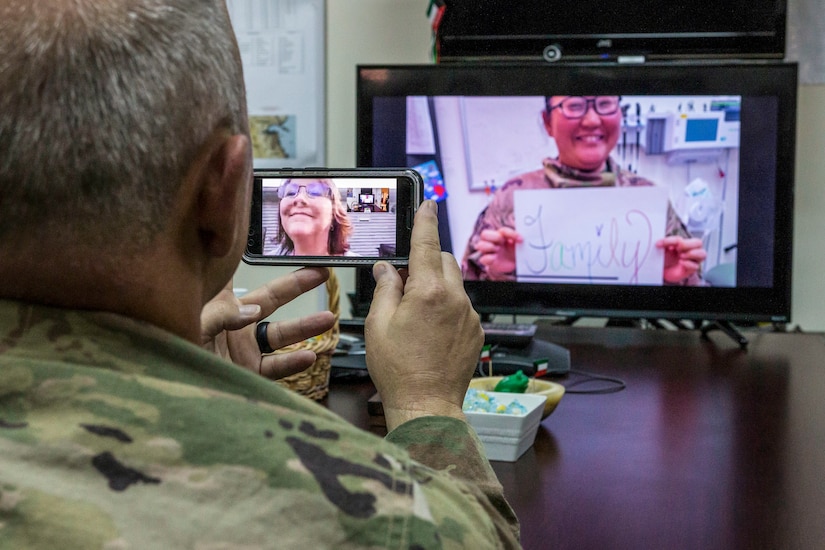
(551, 53)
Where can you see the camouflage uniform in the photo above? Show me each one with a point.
(553, 175)
(116, 434)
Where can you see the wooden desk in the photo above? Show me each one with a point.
(708, 446)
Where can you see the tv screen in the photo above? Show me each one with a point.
(648, 191)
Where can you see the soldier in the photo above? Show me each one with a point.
(585, 130)
(125, 176)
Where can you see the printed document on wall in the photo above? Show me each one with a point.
(282, 49)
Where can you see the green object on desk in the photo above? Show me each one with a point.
(515, 383)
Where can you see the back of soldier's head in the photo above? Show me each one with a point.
(103, 106)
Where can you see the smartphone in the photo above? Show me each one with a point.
(332, 217)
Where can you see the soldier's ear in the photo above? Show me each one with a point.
(224, 198)
(219, 182)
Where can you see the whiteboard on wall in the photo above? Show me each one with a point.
(283, 54)
(503, 137)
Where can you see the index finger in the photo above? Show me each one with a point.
(425, 246)
(509, 233)
(283, 290)
(689, 244)
(671, 240)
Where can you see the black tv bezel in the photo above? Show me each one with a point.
(491, 30)
(764, 78)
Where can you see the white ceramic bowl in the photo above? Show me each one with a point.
(507, 436)
(552, 391)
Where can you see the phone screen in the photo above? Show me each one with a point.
(332, 217)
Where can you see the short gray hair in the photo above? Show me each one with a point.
(103, 107)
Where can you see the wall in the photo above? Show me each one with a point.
(397, 31)
(358, 32)
(809, 221)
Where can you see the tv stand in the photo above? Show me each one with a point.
(727, 328)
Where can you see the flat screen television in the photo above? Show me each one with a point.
(591, 30)
(706, 148)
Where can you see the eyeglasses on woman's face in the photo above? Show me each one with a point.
(314, 190)
(577, 106)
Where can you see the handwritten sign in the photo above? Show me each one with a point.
(591, 235)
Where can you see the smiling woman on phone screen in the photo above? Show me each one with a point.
(312, 220)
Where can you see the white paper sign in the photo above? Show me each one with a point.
(591, 235)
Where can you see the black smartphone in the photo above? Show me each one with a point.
(332, 217)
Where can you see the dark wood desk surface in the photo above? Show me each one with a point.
(708, 447)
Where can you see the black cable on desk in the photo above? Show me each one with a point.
(615, 384)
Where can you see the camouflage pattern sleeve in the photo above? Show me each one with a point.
(675, 226)
(498, 213)
(448, 444)
(471, 267)
(115, 434)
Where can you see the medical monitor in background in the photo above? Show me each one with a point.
(709, 145)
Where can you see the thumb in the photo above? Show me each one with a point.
(388, 291)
